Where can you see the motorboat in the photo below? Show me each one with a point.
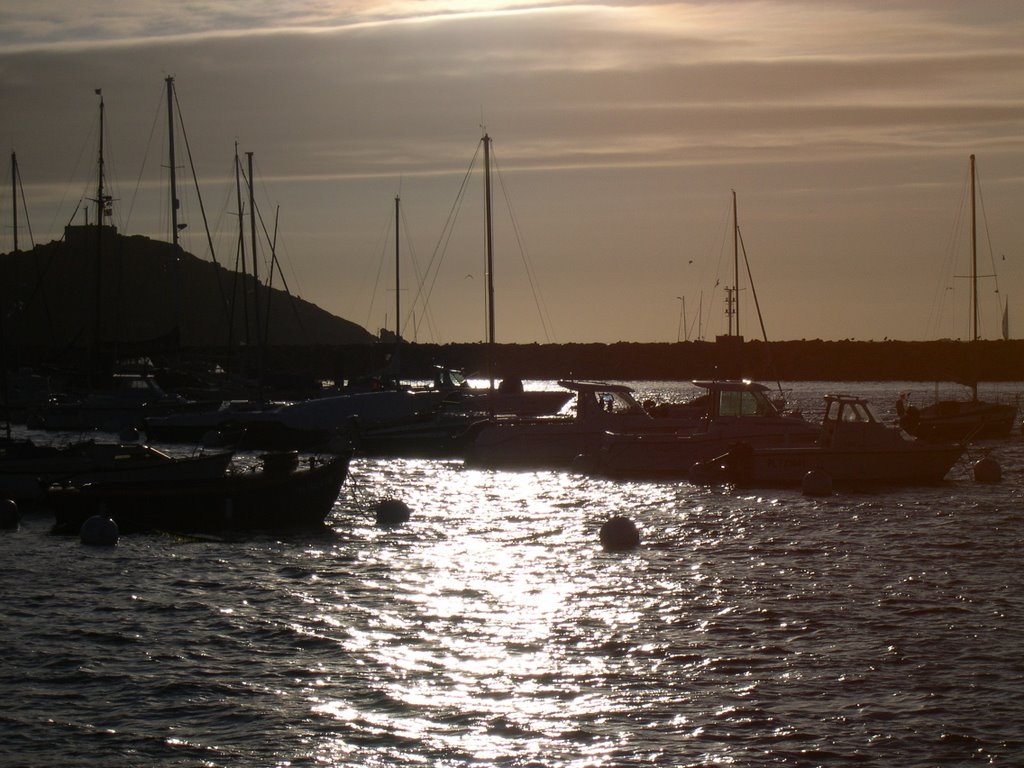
(557, 441)
(854, 448)
(27, 469)
(122, 404)
(707, 426)
(283, 494)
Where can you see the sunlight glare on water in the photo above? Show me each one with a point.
(483, 619)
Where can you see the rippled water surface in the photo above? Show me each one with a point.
(754, 629)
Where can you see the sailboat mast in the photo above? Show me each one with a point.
(736, 267)
(239, 259)
(974, 261)
(14, 197)
(490, 257)
(100, 210)
(171, 163)
(398, 275)
(255, 268)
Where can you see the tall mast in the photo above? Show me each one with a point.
(490, 257)
(736, 266)
(100, 212)
(252, 240)
(170, 160)
(3, 362)
(974, 262)
(240, 255)
(14, 197)
(398, 275)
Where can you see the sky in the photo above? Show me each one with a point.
(620, 131)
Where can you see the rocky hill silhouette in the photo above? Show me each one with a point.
(142, 293)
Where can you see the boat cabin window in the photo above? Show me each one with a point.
(850, 412)
(445, 378)
(594, 401)
(744, 403)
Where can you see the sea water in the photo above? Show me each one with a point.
(749, 628)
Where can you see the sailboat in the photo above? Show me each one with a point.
(400, 420)
(962, 420)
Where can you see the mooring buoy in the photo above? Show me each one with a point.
(619, 533)
(987, 470)
(10, 515)
(392, 512)
(817, 482)
(99, 531)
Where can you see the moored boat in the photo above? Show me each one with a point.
(26, 469)
(282, 495)
(728, 412)
(854, 448)
(972, 419)
(557, 441)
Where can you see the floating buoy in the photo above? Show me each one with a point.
(619, 534)
(392, 512)
(10, 515)
(817, 483)
(987, 470)
(709, 472)
(99, 531)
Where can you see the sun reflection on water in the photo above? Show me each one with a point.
(506, 623)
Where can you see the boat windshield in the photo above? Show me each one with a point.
(850, 411)
(744, 403)
(589, 402)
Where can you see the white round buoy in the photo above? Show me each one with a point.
(619, 533)
(99, 531)
(392, 512)
(817, 483)
(10, 515)
(987, 470)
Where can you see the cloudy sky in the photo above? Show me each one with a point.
(619, 129)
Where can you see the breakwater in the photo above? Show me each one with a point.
(814, 360)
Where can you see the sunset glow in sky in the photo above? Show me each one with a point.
(620, 130)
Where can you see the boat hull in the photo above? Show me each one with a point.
(25, 472)
(913, 464)
(956, 420)
(661, 455)
(273, 499)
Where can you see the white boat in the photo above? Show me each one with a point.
(853, 448)
(730, 412)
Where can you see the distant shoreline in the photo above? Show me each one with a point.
(924, 361)
(784, 360)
